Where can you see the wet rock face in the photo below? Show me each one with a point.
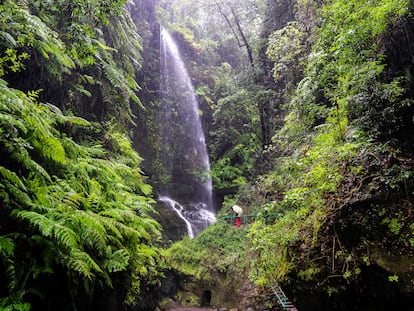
(180, 291)
(173, 228)
(374, 292)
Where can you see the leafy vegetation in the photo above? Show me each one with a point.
(216, 258)
(308, 109)
(337, 169)
(74, 201)
(328, 134)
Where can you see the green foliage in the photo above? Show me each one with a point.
(347, 97)
(6, 247)
(348, 62)
(274, 262)
(227, 175)
(75, 49)
(217, 251)
(13, 61)
(286, 48)
(22, 29)
(85, 206)
(235, 144)
(74, 200)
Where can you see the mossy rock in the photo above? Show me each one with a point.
(189, 299)
(167, 304)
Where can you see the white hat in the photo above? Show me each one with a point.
(237, 209)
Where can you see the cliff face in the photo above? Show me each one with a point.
(337, 167)
(343, 189)
(363, 259)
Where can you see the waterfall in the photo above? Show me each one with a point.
(183, 149)
(196, 219)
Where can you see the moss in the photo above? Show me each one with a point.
(215, 261)
(395, 264)
(167, 304)
(189, 299)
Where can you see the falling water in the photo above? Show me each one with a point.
(183, 148)
(196, 219)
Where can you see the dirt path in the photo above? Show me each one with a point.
(192, 309)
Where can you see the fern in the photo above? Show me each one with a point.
(48, 43)
(22, 156)
(22, 28)
(44, 224)
(12, 178)
(8, 38)
(11, 275)
(72, 199)
(65, 235)
(6, 247)
(51, 148)
(81, 263)
(92, 231)
(17, 197)
(116, 261)
(32, 121)
(12, 123)
(70, 188)
(43, 138)
(111, 226)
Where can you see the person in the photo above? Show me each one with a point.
(239, 211)
(238, 222)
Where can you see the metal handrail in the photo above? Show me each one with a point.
(282, 300)
(244, 218)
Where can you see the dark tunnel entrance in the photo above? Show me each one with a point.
(206, 298)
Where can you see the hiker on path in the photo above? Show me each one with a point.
(239, 211)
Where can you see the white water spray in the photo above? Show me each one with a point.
(196, 219)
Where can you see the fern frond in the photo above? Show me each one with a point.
(12, 124)
(81, 89)
(73, 150)
(91, 230)
(7, 38)
(22, 156)
(53, 109)
(65, 236)
(34, 122)
(151, 226)
(122, 215)
(81, 263)
(50, 148)
(6, 247)
(102, 45)
(40, 221)
(84, 78)
(110, 226)
(132, 233)
(12, 177)
(49, 44)
(19, 197)
(147, 254)
(72, 199)
(116, 261)
(11, 275)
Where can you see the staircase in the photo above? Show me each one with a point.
(284, 302)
